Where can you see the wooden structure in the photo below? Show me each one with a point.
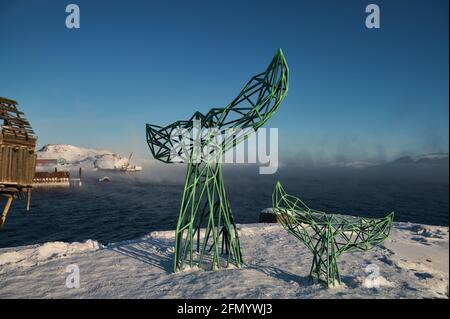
(52, 178)
(17, 155)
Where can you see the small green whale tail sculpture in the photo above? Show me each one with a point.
(327, 236)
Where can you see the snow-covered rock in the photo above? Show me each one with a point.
(34, 255)
(72, 156)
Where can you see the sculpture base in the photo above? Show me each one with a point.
(205, 230)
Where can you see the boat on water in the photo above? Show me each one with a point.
(133, 168)
(130, 168)
(127, 167)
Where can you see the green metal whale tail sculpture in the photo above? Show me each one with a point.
(206, 230)
(327, 236)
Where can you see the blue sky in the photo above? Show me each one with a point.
(354, 92)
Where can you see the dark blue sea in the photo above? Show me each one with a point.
(131, 205)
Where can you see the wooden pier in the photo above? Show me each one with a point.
(61, 178)
(51, 179)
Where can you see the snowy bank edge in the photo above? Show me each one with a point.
(23, 256)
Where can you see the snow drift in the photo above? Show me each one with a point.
(42, 253)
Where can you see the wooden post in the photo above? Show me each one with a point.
(79, 173)
(28, 198)
(6, 208)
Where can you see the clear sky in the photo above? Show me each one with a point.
(354, 92)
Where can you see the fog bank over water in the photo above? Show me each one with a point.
(416, 191)
(406, 169)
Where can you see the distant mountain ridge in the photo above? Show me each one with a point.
(432, 158)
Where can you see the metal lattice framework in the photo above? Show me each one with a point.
(327, 236)
(205, 219)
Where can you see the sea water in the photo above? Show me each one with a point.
(132, 205)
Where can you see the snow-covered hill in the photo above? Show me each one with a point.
(433, 158)
(74, 156)
(422, 159)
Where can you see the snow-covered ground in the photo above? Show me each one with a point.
(412, 263)
(87, 158)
